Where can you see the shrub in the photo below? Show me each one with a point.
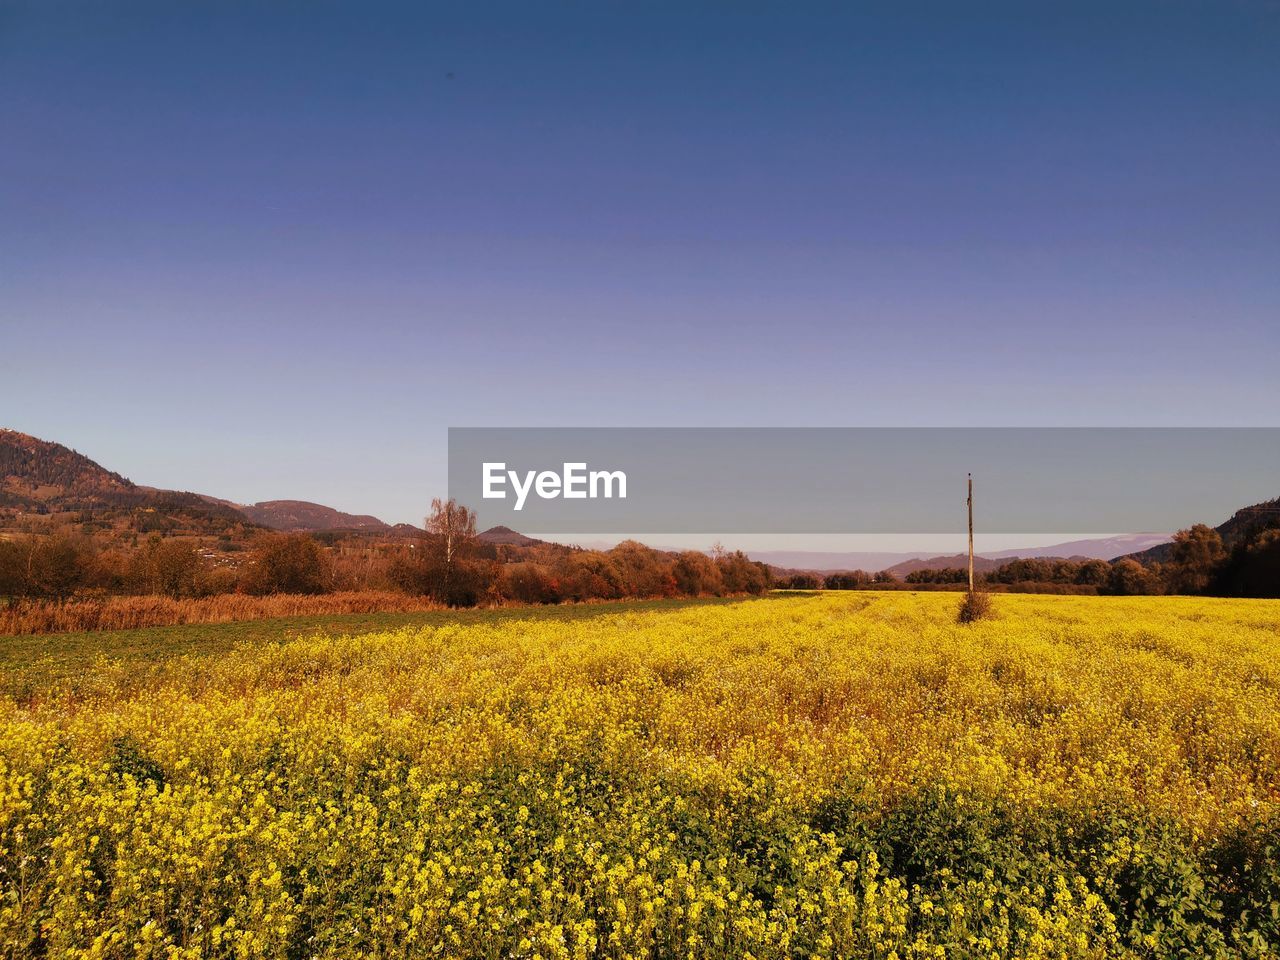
(975, 606)
(288, 563)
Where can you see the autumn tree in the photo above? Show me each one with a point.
(696, 574)
(527, 582)
(743, 575)
(645, 572)
(452, 528)
(288, 563)
(168, 567)
(1196, 554)
(52, 567)
(1130, 578)
(1094, 573)
(846, 580)
(589, 574)
(445, 564)
(12, 565)
(1252, 569)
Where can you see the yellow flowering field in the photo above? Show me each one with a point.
(836, 775)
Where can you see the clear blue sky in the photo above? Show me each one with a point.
(273, 250)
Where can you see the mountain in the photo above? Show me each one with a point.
(294, 516)
(1242, 525)
(37, 474)
(505, 536)
(1103, 548)
(821, 561)
(39, 478)
(959, 561)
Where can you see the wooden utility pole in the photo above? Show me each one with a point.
(969, 502)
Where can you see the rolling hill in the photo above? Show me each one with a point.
(505, 536)
(40, 479)
(38, 475)
(294, 516)
(1101, 548)
(957, 561)
(1104, 548)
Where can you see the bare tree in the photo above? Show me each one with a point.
(454, 526)
(451, 530)
(1196, 554)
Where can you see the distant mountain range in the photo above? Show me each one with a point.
(956, 561)
(1103, 548)
(41, 478)
(45, 479)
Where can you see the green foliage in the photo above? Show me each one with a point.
(129, 760)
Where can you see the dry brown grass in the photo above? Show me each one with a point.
(127, 613)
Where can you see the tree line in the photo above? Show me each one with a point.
(448, 563)
(1198, 563)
